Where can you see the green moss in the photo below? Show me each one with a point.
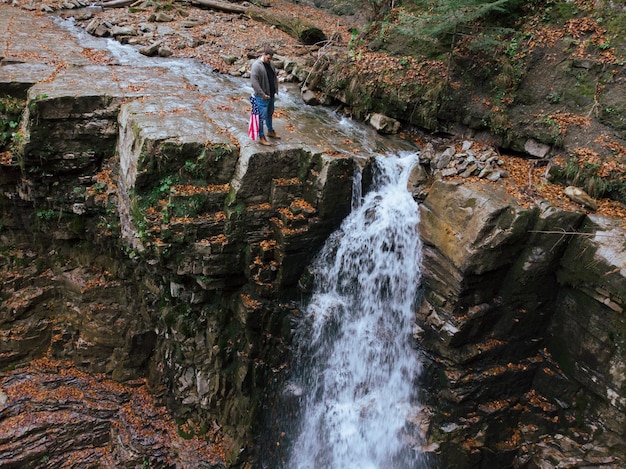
(499, 122)
(393, 92)
(182, 318)
(587, 175)
(168, 315)
(184, 434)
(617, 336)
(46, 215)
(615, 27)
(613, 114)
(399, 38)
(10, 111)
(188, 206)
(560, 12)
(77, 224)
(585, 85)
(582, 402)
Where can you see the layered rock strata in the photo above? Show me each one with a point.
(522, 327)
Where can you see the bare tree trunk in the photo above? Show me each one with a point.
(304, 32)
(221, 6)
(116, 3)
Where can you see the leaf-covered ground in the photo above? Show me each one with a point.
(92, 421)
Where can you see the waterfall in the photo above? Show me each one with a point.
(358, 368)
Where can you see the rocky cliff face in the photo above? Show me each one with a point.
(522, 329)
(144, 236)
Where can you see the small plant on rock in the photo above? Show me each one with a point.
(10, 112)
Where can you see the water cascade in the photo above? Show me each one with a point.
(358, 369)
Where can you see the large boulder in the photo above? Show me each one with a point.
(477, 228)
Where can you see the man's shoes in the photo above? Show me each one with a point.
(263, 141)
(272, 134)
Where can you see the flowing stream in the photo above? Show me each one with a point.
(358, 367)
(314, 124)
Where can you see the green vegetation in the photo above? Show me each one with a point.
(431, 28)
(594, 179)
(182, 318)
(201, 166)
(182, 173)
(560, 12)
(46, 215)
(188, 207)
(441, 18)
(615, 27)
(437, 47)
(10, 112)
(150, 203)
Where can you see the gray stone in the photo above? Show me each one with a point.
(384, 124)
(427, 154)
(444, 159)
(151, 49)
(164, 52)
(97, 28)
(147, 27)
(475, 218)
(310, 98)
(470, 171)
(418, 177)
(534, 148)
(191, 23)
(446, 172)
(162, 17)
(487, 173)
(492, 160)
(123, 31)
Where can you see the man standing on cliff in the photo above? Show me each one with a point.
(265, 85)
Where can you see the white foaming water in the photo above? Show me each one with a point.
(359, 369)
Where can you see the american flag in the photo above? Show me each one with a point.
(253, 127)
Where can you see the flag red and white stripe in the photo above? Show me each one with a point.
(253, 126)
